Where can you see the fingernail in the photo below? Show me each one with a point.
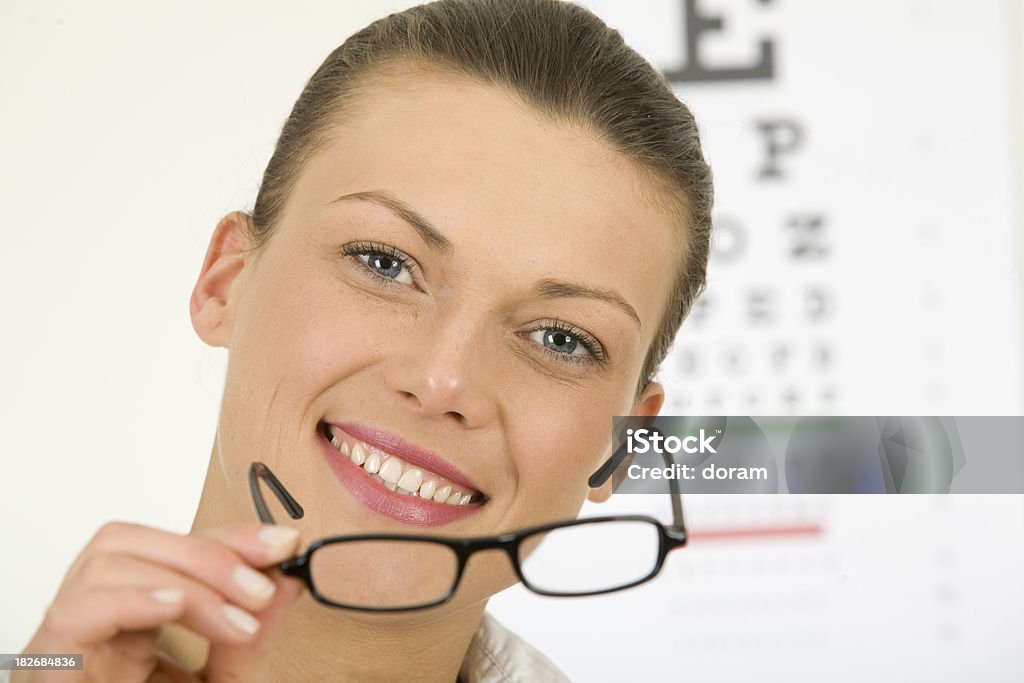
(241, 619)
(168, 596)
(277, 535)
(252, 582)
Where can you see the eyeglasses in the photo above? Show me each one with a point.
(401, 572)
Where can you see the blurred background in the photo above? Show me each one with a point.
(869, 163)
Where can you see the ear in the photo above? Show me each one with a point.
(648, 405)
(216, 292)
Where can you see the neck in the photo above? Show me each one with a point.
(321, 643)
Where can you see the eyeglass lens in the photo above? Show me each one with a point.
(592, 557)
(384, 573)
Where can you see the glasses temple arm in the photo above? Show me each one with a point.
(257, 471)
(605, 471)
(678, 522)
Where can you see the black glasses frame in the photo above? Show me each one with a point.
(669, 538)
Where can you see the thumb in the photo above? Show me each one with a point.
(250, 662)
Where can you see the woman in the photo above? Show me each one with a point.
(481, 227)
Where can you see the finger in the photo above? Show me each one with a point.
(250, 661)
(96, 616)
(91, 618)
(260, 545)
(246, 587)
(206, 612)
(221, 562)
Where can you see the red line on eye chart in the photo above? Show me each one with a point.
(755, 532)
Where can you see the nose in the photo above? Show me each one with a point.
(440, 370)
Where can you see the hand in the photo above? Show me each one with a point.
(130, 580)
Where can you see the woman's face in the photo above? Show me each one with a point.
(456, 284)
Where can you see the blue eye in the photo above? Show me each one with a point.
(568, 345)
(560, 341)
(387, 266)
(383, 262)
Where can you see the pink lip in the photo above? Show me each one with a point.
(406, 509)
(410, 453)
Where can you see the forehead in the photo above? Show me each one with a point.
(491, 171)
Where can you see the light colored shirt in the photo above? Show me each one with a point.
(497, 655)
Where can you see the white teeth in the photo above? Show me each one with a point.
(358, 454)
(391, 471)
(411, 479)
(442, 494)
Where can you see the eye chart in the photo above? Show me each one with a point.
(866, 253)
(866, 259)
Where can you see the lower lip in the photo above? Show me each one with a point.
(406, 509)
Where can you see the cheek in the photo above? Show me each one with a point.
(293, 338)
(558, 449)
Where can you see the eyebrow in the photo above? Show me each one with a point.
(550, 289)
(547, 288)
(427, 232)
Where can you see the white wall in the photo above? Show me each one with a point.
(128, 129)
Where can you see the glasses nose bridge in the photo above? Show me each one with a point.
(508, 543)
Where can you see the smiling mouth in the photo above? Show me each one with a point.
(394, 474)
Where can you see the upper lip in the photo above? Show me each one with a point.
(411, 453)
